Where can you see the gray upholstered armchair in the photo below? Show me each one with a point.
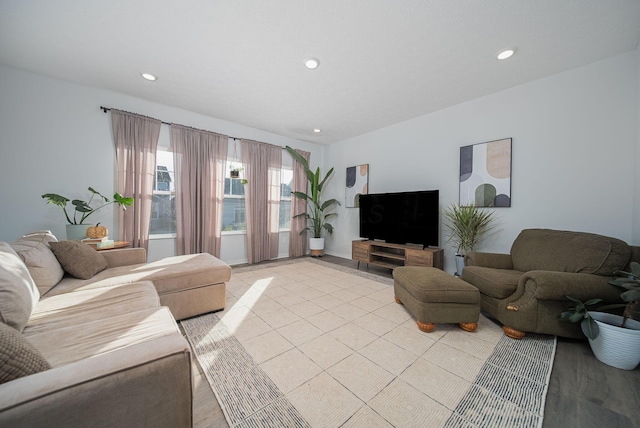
(525, 290)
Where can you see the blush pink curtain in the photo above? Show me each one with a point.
(136, 139)
(199, 165)
(263, 166)
(298, 242)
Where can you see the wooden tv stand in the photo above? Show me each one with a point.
(394, 255)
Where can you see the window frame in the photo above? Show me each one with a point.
(154, 192)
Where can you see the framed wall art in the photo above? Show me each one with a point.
(485, 174)
(357, 184)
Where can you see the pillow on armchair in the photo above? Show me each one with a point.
(78, 259)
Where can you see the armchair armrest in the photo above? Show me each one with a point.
(490, 260)
(147, 384)
(548, 285)
(125, 256)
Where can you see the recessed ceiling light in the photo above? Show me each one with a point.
(149, 77)
(316, 130)
(506, 53)
(311, 63)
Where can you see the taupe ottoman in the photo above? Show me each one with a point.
(433, 296)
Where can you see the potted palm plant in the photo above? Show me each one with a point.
(614, 339)
(467, 225)
(76, 227)
(318, 212)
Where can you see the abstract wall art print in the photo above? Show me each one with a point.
(357, 184)
(485, 174)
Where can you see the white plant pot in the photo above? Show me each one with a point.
(77, 231)
(459, 264)
(616, 346)
(316, 246)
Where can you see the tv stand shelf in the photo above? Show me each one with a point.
(394, 255)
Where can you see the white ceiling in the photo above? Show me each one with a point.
(382, 61)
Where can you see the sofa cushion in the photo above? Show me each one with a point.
(34, 250)
(78, 259)
(18, 292)
(74, 343)
(171, 274)
(496, 283)
(18, 357)
(564, 251)
(80, 307)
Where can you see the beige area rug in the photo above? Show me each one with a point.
(311, 344)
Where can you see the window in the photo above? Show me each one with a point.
(234, 214)
(234, 217)
(163, 206)
(285, 198)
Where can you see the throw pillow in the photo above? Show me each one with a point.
(78, 259)
(18, 292)
(33, 248)
(18, 357)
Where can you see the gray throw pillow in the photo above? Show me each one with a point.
(78, 259)
(18, 357)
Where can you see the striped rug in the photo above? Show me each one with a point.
(305, 343)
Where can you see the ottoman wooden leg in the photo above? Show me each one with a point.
(397, 300)
(513, 333)
(469, 326)
(426, 327)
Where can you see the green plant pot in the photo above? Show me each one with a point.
(77, 231)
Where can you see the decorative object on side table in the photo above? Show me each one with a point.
(112, 245)
(317, 212)
(97, 231)
(614, 339)
(76, 229)
(467, 225)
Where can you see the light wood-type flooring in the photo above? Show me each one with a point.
(583, 392)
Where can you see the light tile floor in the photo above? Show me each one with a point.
(344, 352)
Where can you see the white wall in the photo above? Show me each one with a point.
(574, 138)
(636, 211)
(55, 139)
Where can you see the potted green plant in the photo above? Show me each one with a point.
(234, 172)
(614, 339)
(467, 225)
(76, 227)
(318, 212)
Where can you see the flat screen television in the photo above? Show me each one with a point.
(401, 218)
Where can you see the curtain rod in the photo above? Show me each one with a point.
(106, 109)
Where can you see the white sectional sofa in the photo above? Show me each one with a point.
(103, 350)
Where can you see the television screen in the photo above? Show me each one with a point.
(401, 218)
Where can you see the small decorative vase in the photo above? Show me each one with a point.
(76, 231)
(316, 247)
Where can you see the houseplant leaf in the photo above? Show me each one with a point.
(590, 328)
